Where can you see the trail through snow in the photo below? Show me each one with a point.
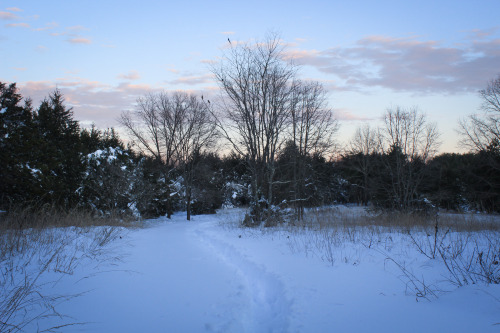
(197, 276)
(177, 277)
(269, 308)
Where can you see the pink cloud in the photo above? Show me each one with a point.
(41, 48)
(347, 115)
(76, 28)
(79, 40)
(48, 26)
(14, 9)
(407, 64)
(193, 80)
(8, 16)
(132, 75)
(172, 70)
(92, 101)
(18, 25)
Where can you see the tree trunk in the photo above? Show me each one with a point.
(188, 205)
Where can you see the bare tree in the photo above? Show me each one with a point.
(363, 148)
(171, 128)
(479, 131)
(257, 86)
(312, 129)
(410, 141)
(197, 131)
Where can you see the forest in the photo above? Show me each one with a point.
(268, 144)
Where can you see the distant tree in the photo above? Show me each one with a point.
(237, 180)
(481, 130)
(257, 88)
(361, 159)
(170, 128)
(207, 192)
(481, 134)
(409, 143)
(197, 134)
(311, 132)
(93, 139)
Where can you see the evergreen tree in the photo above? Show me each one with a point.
(19, 177)
(59, 155)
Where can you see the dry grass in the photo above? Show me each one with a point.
(355, 217)
(34, 216)
(46, 244)
(466, 245)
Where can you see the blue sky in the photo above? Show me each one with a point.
(370, 55)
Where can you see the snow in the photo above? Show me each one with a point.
(33, 171)
(109, 152)
(208, 275)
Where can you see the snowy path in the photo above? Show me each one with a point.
(197, 276)
(175, 277)
(269, 308)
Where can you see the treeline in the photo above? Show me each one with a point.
(459, 182)
(47, 158)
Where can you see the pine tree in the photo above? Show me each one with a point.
(19, 178)
(59, 156)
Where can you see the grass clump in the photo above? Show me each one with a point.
(38, 247)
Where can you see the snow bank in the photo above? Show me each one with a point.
(208, 275)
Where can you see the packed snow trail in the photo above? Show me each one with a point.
(269, 306)
(175, 278)
(199, 276)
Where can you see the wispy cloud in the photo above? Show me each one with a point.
(408, 64)
(77, 28)
(132, 75)
(79, 40)
(92, 101)
(18, 25)
(193, 79)
(208, 61)
(14, 9)
(348, 115)
(72, 32)
(21, 69)
(48, 26)
(227, 32)
(8, 16)
(172, 70)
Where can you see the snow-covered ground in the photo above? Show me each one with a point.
(208, 275)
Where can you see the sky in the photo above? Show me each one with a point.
(370, 55)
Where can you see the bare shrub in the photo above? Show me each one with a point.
(471, 261)
(467, 246)
(415, 286)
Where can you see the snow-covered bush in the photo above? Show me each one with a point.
(108, 181)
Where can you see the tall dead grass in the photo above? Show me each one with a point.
(356, 217)
(41, 245)
(467, 245)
